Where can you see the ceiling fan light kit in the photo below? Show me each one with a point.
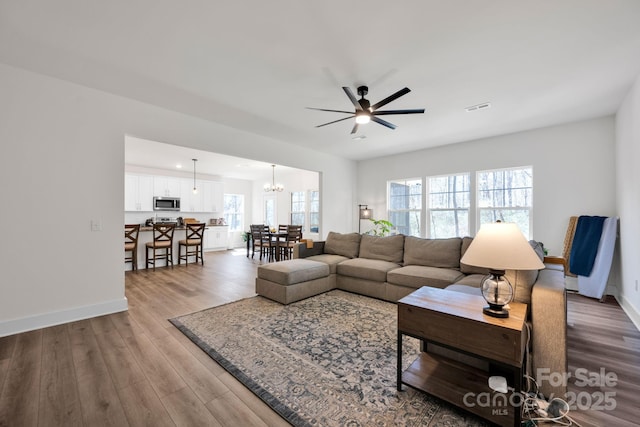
(365, 112)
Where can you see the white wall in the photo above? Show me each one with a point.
(628, 199)
(573, 172)
(63, 167)
(291, 181)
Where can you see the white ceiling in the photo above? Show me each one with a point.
(158, 155)
(255, 65)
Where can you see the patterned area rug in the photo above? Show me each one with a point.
(329, 360)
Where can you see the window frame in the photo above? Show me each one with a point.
(429, 209)
(419, 209)
(241, 214)
(293, 212)
(529, 209)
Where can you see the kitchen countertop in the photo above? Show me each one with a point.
(182, 227)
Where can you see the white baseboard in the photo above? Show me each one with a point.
(629, 310)
(45, 320)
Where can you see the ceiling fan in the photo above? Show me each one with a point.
(366, 112)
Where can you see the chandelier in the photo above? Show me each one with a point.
(273, 186)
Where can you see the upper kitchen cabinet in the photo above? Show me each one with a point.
(213, 196)
(190, 202)
(209, 198)
(166, 186)
(138, 192)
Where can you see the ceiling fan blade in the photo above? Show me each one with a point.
(390, 98)
(335, 121)
(388, 112)
(332, 111)
(352, 98)
(383, 122)
(355, 128)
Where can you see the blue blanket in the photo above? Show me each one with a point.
(585, 244)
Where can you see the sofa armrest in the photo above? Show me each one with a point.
(556, 262)
(549, 335)
(302, 251)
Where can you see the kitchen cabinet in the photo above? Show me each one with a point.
(209, 198)
(138, 192)
(216, 238)
(213, 196)
(190, 202)
(166, 186)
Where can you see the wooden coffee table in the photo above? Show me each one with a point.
(454, 320)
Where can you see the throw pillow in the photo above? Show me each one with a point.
(389, 248)
(346, 245)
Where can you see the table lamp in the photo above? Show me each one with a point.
(500, 246)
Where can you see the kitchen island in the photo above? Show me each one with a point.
(216, 238)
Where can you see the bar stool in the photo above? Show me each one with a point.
(194, 239)
(162, 240)
(131, 232)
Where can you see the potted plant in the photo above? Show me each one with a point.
(381, 227)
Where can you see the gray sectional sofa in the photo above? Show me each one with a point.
(392, 267)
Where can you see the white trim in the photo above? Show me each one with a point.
(630, 310)
(45, 320)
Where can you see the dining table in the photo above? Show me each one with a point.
(274, 237)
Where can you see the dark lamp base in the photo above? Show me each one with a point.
(495, 312)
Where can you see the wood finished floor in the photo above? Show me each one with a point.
(134, 368)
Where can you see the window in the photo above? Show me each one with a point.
(297, 208)
(270, 211)
(314, 211)
(405, 206)
(305, 209)
(448, 209)
(506, 195)
(234, 211)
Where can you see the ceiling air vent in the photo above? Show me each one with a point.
(478, 107)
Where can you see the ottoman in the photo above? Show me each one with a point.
(292, 280)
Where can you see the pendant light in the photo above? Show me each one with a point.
(273, 186)
(195, 190)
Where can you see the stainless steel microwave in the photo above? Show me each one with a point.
(166, 203)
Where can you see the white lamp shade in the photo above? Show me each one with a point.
(501, 246)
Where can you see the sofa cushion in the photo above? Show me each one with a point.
(364, 268)
(346, 245)
(523, 280)
(473, 280)
(389, 248)
(466, 268)
(293, 271)
(444, 253)
(331, 260)
(416, 276)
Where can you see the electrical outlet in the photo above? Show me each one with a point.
(636, 285)
(96, 225)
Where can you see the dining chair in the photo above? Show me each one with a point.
(193, 243)
(294, 236)
(261, 239)
(131, 232)
(161, 246)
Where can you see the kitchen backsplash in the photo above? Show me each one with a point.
(141, 217)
